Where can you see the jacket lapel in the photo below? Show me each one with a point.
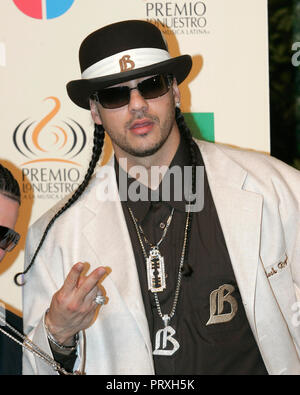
(239, 213)
(115, 252)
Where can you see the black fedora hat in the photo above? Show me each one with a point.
(121, 52)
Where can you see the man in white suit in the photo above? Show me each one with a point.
(176, 286)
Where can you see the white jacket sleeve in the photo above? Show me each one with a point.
(41, 282)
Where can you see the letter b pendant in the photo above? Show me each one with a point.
(166, 335)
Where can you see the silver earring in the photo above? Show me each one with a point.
(178, 104)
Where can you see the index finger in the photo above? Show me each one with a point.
(90, 282)
(72, 278)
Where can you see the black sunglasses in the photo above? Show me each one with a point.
(119, 96)
(8, 238)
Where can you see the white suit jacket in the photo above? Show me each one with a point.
(258, 202)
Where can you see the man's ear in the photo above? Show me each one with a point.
(95, 112)
(176, 92)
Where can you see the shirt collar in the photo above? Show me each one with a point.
(142, 207)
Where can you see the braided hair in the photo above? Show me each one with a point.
(98, 142)
(9, 187)
(99, 134)
(187, 135)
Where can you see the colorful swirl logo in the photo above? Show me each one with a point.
(46, 141)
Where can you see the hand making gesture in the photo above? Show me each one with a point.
(74, 305)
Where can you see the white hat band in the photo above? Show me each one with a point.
(125, 61)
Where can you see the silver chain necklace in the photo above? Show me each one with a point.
(155, 261)
(167, 332)
(27, 344)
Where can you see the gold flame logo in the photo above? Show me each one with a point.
(48, 141)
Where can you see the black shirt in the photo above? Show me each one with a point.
(210, 321)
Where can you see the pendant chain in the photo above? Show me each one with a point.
(169, 220)
(33, 348)
(166, 317)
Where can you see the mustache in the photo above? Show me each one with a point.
(141, 115)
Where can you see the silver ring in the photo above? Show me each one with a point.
(100, 299)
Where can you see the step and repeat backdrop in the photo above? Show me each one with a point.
(46, 140)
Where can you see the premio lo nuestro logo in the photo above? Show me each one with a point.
(50, 146)
(43, 9)
(47, 140)
(178, 17)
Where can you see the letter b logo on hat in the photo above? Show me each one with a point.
(126, 63)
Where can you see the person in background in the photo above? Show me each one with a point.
(10, 200)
